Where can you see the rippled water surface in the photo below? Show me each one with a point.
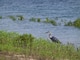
(63, 9)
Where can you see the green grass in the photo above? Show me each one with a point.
(39, 48)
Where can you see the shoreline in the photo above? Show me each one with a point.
(15, 44)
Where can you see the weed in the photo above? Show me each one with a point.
(20, 17)
(12, 17)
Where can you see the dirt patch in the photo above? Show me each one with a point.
(10, 56)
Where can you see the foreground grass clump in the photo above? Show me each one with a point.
(13, 43)
(52, 51)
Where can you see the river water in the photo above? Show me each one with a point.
(62, 9)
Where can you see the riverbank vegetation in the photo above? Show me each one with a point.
(54, 22)
(12, 43)
(75, 23)
(47, 20)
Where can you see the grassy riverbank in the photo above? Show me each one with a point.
(15, 44)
